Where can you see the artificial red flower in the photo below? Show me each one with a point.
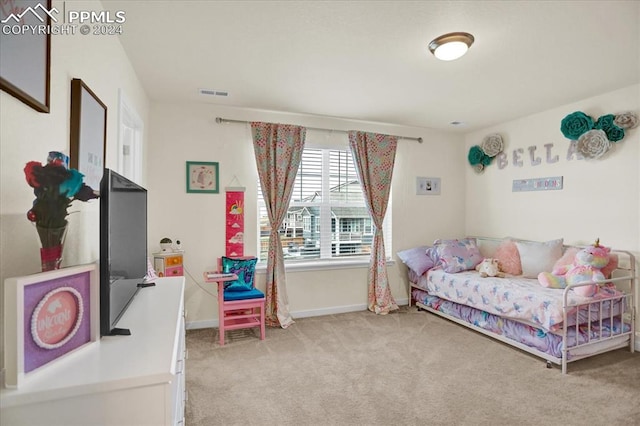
(30, 171)
(55, 187)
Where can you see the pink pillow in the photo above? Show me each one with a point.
(566, 259)
(611, 266)
(508, 258)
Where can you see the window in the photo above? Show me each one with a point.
(327, 216)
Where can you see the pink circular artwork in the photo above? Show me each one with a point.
(57, 317)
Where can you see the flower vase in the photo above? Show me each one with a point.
(52, 242)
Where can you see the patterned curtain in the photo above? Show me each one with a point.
(374, 155)
(278, 150)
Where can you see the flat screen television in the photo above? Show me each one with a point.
(123, 247)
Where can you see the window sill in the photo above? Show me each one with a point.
(318, 265)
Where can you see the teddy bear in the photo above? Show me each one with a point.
(489, 268)
(586, 267)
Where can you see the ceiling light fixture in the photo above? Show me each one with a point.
(451, 46)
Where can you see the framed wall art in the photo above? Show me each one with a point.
(88, 133)
(202, 177)
(25, 51)
(47, 316)
(427, 186)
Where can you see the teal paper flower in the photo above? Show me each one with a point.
(71, 186)
(614, 133)
(475, 155)
(576, 124)
(606, 123)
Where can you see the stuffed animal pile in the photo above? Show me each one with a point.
(489, 268)
(586, 267)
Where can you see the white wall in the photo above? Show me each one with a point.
(27, 135)
(600, 198)
(180, 133)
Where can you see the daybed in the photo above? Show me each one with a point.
(554, 324)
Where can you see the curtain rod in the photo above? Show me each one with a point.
(220, 120)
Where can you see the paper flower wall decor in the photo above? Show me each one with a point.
(492, 145)
(481, 156)
(594, 138)
(593, 144)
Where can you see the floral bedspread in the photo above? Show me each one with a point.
(518, 298)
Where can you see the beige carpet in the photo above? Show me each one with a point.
(406, 368)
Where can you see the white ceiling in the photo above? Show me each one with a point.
(368, 60)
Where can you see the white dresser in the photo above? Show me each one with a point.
(120, 380)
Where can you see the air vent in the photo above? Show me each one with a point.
(212, 92)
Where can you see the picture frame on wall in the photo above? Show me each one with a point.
(88, 133)
(427, 186)
(203, 177)
(25, 56)
(48, 316)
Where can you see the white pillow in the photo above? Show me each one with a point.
(487, 247)
(538, 257)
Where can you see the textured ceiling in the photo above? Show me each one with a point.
(368, 60)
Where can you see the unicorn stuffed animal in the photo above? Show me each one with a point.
(586, 267)
(489, 268)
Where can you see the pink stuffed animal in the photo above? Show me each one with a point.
(586, 267)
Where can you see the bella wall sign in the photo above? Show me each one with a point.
(519, 157)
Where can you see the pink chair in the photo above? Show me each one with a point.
(239, 309)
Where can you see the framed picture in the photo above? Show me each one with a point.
(47, 316)
(427, 186)
(130, 137)
(88, 133)
(25, 55)
(202, 177)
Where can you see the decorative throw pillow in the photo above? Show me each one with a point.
(458, 255)
(416, 259)
(432, 253)
(245, 270)
(611, 266)
(536, 257)
(488, 247)
(566, 259)
(508, 257)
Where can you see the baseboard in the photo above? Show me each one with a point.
(195, 325)
(213, 323)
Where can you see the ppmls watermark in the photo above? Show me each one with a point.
(37, 20)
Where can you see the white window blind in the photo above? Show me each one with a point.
(327, 217)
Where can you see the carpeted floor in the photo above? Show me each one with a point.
(405, 368)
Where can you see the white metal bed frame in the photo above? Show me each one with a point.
(579, 350)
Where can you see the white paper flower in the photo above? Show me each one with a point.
(492, 145)
(478, 168)
(593, 144)
(626, 120)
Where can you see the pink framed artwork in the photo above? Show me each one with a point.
(47, 316)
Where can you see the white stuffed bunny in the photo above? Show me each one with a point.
(489, 268)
